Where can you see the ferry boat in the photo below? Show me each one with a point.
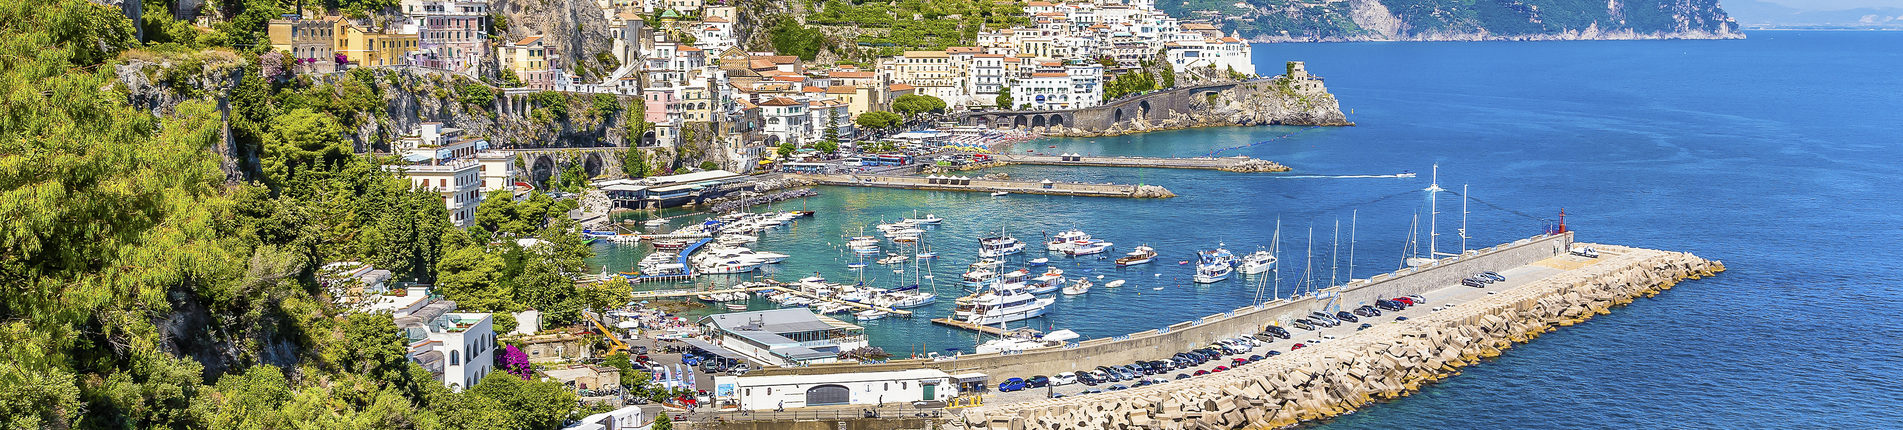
(999, 246)
(1212, 272)
(1000, 305)
(1258, 262)
(1143, 254)
(1063, 239)
(1092, 246)
(1078, 287)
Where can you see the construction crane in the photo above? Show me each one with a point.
(615, 345)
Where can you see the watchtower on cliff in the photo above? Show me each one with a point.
(1297, 71)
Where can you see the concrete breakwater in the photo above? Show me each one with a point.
(1238, 163)
(992, 185)
(1385, 362)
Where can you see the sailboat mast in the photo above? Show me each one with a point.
(1354, 219)
(1308, 261)
(1433, 229)
(1334, 255)
(1463, 218)
(1276, 249)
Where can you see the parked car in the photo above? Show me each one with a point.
(1417, 299)
(1302, 324)
(1009, 385)
(1118, 387)
(1404, 301)
(1039, 381)
(1365, 310)
(1587, 252)
(1364, 326)
(1202, 372)
(1472, 283)
(1182, 376)
(1278, 331)
(1494, 275)
(1346, 316)
(1090, 391)
(1273, 353)
(1400, 318)
(1387, 305)
(1296, 346)
(1264, 337)
(1063, 379)
(1219, 368)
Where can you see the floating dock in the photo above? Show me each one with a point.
(1046, 187)
(639, 295)
(1227, 164)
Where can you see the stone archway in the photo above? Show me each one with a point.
(1117, 116)
(593, 164)
(647, 139)
(1143, 109)
(1057, 120)
(1037, 121)
(1020, 122)
(541, 169)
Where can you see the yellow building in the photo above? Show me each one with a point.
(529, 59)
(373, 49)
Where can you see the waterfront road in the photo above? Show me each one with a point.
(1452, 295)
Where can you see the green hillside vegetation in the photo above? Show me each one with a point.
(144, 285)
(917, 24)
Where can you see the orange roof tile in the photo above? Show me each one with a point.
(1048, 75)
(714, 19)
(780, 101)
(842, 89)
(528, 40)
(901, 87)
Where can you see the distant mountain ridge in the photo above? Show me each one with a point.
(1761, 14)
(1427, 20)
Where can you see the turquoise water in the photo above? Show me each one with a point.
(1778, 154)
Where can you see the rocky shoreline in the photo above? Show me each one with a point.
(1386, 362)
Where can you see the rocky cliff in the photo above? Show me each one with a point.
(577, 29)
(1274, 101)
(1430, 20)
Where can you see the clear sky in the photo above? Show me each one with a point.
(1834, 4)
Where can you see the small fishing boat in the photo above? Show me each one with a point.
(1113, 284)
(1143, 254)
(999, 246)
(1078, 287)
(1039, 261)
(869, 315)
(926, 255)
(1064, 240)
(1157, 289)
(736, 307)
(929, 219)
(1049, 275)
(856, 266)
(893, 259)
(999, 193)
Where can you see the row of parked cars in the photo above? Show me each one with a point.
(1142, 373)
(1480, 280)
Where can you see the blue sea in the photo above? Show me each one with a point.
(1781, 155)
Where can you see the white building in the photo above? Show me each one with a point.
(458, 347)
(1222, 54)
(868, 388)
(785, 119)
(497, 169)
(628, 418)
(459, 181)
(1071, 87)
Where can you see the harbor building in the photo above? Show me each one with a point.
(784, 337)
(865, 388)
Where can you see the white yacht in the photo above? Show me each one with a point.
(1022, 343)
(999, 246)
(979, 277)
(1050, 274)
(1258, 262)
(864, 245)
(1063, 240)
(1001, 305)
(929, 219)
(744, 253)
(717, 266)
(1212, 272)
(1092, 246)
(1219, 255)
(869, 315)
(1078, 287)
(893, 259)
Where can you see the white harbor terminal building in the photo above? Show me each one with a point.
(798, 337)
(784, 337)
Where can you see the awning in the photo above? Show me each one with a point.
(711, 348)
(628, 324)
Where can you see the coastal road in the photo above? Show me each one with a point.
(1452, 295)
